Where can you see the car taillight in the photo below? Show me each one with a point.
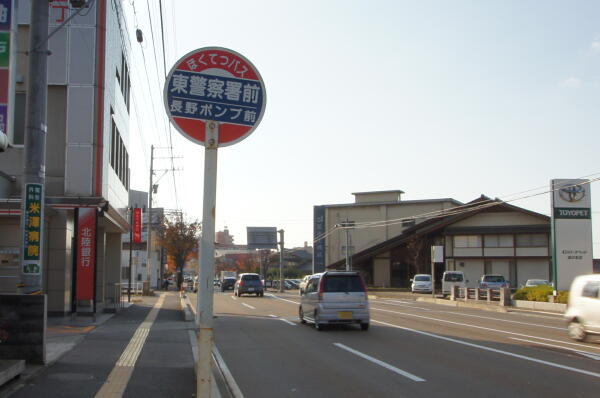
(362, 281)
(321, 288)
(241, 283)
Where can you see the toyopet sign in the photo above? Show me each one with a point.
(572, 227)
(214, 84)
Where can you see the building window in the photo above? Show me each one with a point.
(532, 240)
(119, 158)
(124, 81)
(462, 241)
(498, 240)
(125, 273)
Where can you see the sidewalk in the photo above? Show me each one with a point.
(143, 350)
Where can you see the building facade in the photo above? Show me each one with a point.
(87, 161)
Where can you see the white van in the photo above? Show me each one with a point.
(452, 278)
(583, 311)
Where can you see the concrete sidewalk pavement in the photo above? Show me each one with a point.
(143, 350)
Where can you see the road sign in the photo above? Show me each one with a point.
(214, 84)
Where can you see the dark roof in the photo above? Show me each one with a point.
(439, 223)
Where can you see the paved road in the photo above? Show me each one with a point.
(413, 349)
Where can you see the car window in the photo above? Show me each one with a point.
(591, 289)
(493, 278)
(453, 278)
(250, 277)
(422, 278)
(343, 283)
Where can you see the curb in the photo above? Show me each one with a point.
(466, 304)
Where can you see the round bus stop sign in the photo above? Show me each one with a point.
(214, 84)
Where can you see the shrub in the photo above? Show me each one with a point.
(540, 293)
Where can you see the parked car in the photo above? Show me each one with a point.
(227, 284)
(292, 284)
(303, 283)
(248, 284)
(453, 278)
(583, 311)
(537, 282)
(335, 297)
(421, 283)
(493, 281)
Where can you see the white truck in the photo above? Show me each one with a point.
(228, 274)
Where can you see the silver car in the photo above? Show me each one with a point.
(335, 297)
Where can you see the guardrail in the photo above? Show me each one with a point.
(500, 296)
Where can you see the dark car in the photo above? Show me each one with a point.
(227, 284)
(249, 284)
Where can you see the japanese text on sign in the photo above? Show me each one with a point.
(32, 230)
(207, 97)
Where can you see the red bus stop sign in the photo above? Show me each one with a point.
(214, 84)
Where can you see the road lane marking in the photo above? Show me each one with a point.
(273, 316)
(249, 306)
(119, 377)
(495, 350)
(233, 297)
(482, 327)
(282, 299)
(380, 363)
(587, 354)
(288, 322)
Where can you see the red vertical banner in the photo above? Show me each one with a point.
(137, 225)
(86, 252)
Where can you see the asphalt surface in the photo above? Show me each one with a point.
(412, 349)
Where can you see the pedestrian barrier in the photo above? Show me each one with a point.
(500, 296)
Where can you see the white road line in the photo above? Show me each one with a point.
(380, 363)
(273, 316)
(249, 306)
(587, 354)
(282, 299)
(288, 322)
(481, 347)
(481, 327)
(233, 297)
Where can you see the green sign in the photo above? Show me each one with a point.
(33, 227)
(4, 49)
(582, 213)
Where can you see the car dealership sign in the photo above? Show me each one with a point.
(572, 230)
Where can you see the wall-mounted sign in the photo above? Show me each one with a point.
(86, 252)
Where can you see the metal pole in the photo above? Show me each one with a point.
(281, 243)
(553, 243)
(149, 224)
(130, 253)
(346, 225)
(204, 315)
(34, 170)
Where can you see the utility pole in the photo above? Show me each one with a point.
(149, 224)
(346, 226)
(130, 252)
(34, 169)
(281, 243)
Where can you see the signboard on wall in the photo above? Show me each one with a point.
(6, 64)
(86, 252)
(572, 230)
(319, 239)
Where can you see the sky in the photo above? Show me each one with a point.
(435, 98)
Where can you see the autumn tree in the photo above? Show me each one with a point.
(180, 239)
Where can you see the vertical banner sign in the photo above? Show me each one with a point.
(86, 252)
(33, 223)
(572, 230)
(6, 11)
(137, 225)
(319, 239)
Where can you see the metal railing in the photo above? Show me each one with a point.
(500, 295)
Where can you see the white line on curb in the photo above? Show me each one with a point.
(380, 363)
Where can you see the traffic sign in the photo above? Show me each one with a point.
(214, 84)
